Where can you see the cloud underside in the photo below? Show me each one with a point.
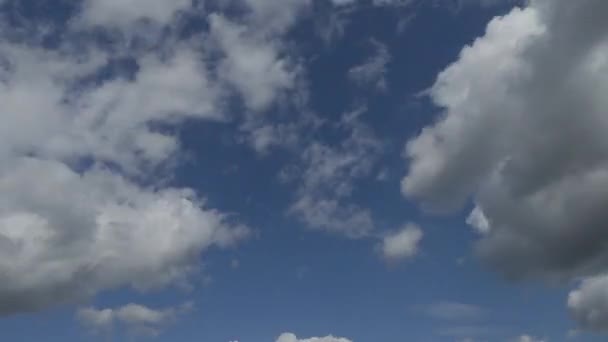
(523, 135)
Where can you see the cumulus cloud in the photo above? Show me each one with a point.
(82, 210)
(403, 244)
(289, 337)
(66, 236)
(135, 317)
(373, 71)
(589, 304)
(523, 134)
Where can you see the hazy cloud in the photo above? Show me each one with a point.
(402, 244)
(135, 318)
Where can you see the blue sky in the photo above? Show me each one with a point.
(303, 170)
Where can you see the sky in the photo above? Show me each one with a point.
(303, 170)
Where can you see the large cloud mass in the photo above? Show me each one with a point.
(66, 235)
(81, 209)
(523, 133)
(85, 156)
(589, 304)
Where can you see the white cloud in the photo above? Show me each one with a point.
(403, 244)
(289, 337)
(66, 236)
(69, 125)
(73, 219)
(373, 71)
(259, 65)
(523, 134)
(136, 318)
(108, 121)
(439, 172)
(252, 64)
(478, 221)
(256, 63)
(589, 304)
(327, 174)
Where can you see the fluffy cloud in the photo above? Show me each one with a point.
(589, 304)
(258, 66)
(252, 64)
(403, 244)
(136, 318)
(288, 337)
(79, 126)
(256, 61)
(523, 133)
(81, 209)
(65, 236)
